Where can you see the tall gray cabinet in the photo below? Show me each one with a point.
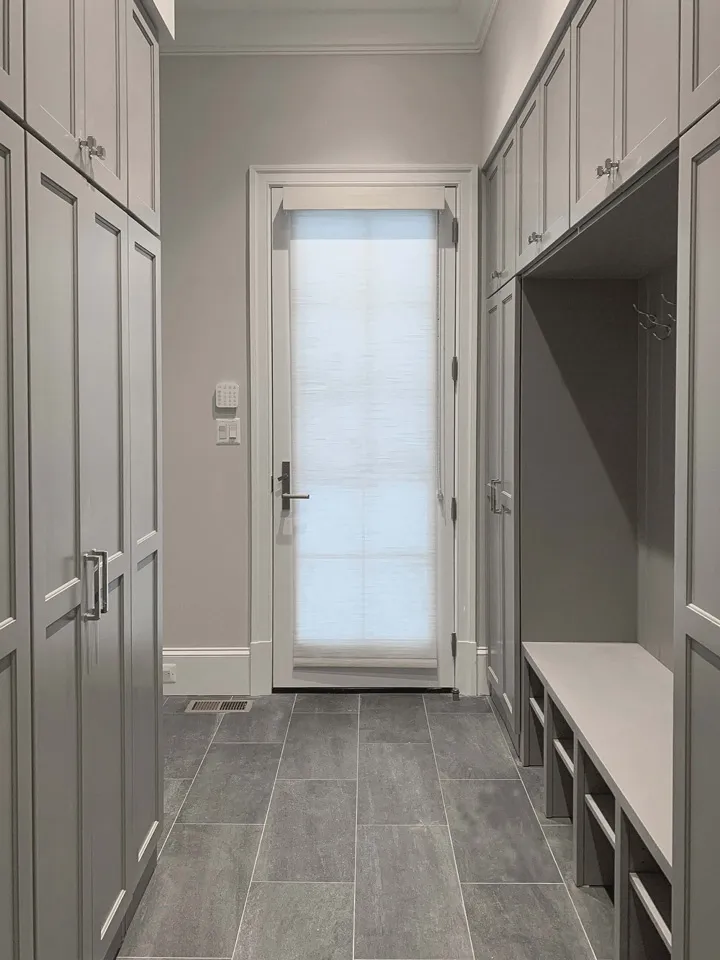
(697, 558)
(80, 477)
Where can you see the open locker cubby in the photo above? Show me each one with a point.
(595, 825)
(559, 763)
(646, 907)
(534, 719)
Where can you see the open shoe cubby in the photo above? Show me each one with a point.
(559, 763)
(534, 727)
(595, 824)
(645, 913)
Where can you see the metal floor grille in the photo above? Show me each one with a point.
(219, 706)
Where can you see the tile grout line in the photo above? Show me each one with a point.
(212, 740)
(552, 854)
(452, 845)
(262, 832)
(357, 807)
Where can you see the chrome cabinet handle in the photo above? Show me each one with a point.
(93, 148)
(535, 237)
(493, 495)
(496, 274)
(94, 557)
(284, 480)
(105, 602)
(610, 166)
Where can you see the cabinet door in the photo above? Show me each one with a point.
(493, 459)
(143, 123)
(507, 262)
(697, 548)
(647, 44)
(12, 55)
(699, 59)
(62, 591)
(16, 930)
(555, 146)
(493, 180)
(146, 513)
(106, 92)
(592, 117)
(55, 73)
(527, 231)
(105, 453)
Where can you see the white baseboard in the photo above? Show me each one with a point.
(483, 687)
(208, 671)
(465, 676)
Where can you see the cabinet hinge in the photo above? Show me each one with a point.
(455, 231)
(454, 369)
(453, 509)
(453, 644)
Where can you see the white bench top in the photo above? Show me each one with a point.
(619, 699)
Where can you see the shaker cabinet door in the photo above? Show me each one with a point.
(143, 119)
(699, 59)
(554, 95)
(527, 221)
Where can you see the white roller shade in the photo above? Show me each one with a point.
(352, 197)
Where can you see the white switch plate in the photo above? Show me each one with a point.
(227, 433)
(169, 673)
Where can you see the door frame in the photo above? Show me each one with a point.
(262, 180)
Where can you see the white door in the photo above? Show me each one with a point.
(364, 292)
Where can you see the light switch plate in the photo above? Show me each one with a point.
(227, 433)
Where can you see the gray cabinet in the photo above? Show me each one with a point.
(12, 55)
(55, 73)
(106, 94)
(16, 931)
(592, 117)
(554, 97)
(143, 119)
(527, 233)
(502, 319)
(501, 226)
(697, 548)
(699, 59)
(96, 700)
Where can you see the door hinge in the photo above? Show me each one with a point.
(455, 231)
(453, 509)
(455, 369)
(453, 644)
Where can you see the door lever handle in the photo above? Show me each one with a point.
(284, 480)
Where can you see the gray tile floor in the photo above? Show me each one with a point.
(372, 827)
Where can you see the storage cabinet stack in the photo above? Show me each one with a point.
(81, 542)
(612, 155)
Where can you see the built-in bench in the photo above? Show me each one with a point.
(599, 717)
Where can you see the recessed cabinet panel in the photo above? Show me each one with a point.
(704, 452)
(8, 798)
(12, 55)
(593, 115)
(144, 389)
(7, 507)
(58, 836)
(55, 73)
(145, 735)
(555, 146)
(143, 132)
(646, 81)
(699, 59)
(106, 92)
(528, 180)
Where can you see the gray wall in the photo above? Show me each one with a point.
(219, 115)
(656, 471)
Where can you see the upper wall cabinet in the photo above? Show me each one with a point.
(11, 55)
(501, 225)
(528, 234)
(144, 126)
(55, 73)
(624, 93)
(699, 59)
(554, 96)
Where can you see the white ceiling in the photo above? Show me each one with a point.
(330, 26)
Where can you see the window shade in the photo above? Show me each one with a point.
(353, 197)
(364, 436)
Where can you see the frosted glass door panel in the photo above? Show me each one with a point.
(364, 336)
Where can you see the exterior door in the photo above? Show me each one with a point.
(699, 59)
(105, 499)
(146, 762)
(66, 578)
(555, 146)
(55, 73)
(592, 117)
(12, 55)
(646, 81)
(364, 414)
(16, 930)
(527, 234)
(143, 69)
(697, 548)
(502, 433)
(106, 94)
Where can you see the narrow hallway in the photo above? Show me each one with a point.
(371, 827)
